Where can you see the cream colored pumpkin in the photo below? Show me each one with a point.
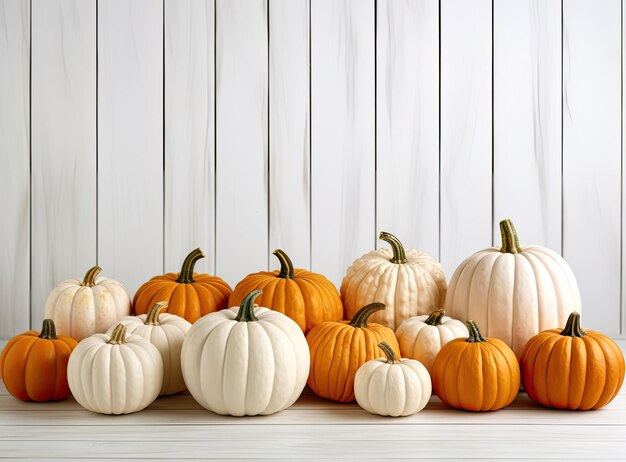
(513, 292)
(82, 308)
(392, 387)
(245, 360)
(408, 282)
(421, 337)
(166, 332)
(115, 374)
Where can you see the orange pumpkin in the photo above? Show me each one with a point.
(33, 365)
(339, 348)
(572, 368)
(307, 298)
(189, 295)
(477, 373)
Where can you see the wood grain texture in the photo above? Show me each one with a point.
(189, 132)
(242, 136)
(407, 127)
(64, 205)
(289, 131)
(14, 167)
(592, 156)
(527, 119)
(130, 140)
(342, 134)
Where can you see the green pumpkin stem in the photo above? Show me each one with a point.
(474, 333)
(510, 241)
(399, 255)
(361, 316)
(246, 309)
(389, 353)
(152, 319)
(572, 328)
(90, 276)
(48, 330)
(186, 272)
(118, 336)
(286, 267)
(435, 318)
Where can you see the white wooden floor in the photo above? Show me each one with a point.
(178, 428)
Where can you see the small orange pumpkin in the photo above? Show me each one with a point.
(307, 298)
(189, 295)
(477, 373)
(33, 365)
(572, 368)
(339, 348)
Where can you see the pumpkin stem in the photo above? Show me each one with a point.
(510, 241)
(118, 336)
(48, 330)
(90, 276)
(572, 327)
(186, 272)
(399, 255)
(389, 353)
(474, 333)
(152, 319)
(361, 316)
(286, 267)
(246, 309)
(435, 318)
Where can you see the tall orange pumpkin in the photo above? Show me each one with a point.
(33, 365)
(307, 298)
(189, 295)
(572, 368)
(477, 373)
(339, 348)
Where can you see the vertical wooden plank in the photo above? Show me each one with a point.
(466, 212)
(342, 134)
(290, 217)
(63, 145)
(242, 132)
(189, 131)
(592, 156)
(130, 140)
(527, 119)
(407, 127)
(14, 167)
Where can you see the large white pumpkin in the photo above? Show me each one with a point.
(408, 282)
(513, 292)
(116, 374)
(421, 337)
(246, 360)
(82, 308)
(166, 332)
(392, 387)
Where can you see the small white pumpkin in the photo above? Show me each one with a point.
(166, 332)
(82, 308)
(391, 386)
(421, 337)
(115, 374)
(408, 282)
(245, 360)
(513, 292)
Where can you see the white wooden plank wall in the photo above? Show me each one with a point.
(310, 125)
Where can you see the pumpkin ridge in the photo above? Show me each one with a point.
(503, 351)
(345, 370)
(546, 381)
(334, 367)
(602, 398)
(312, 341)
(22, 371)
(324, 341)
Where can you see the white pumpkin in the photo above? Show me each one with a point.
(392, 387)
(408, 282)
(245, 360)
(513, 292)
(115, 374)
(166, 332)
(421, 337)
(82, 308)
